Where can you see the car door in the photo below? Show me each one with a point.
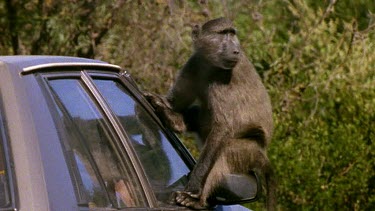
(119, 155)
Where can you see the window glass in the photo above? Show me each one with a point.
(164, 167)
(100, 174)
(5, 194)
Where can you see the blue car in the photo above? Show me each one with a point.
(77, 134)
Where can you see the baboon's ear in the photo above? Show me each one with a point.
(196, 32)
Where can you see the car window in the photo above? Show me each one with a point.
(102, 175)
(4, 184)
(6, 195)
(165, 168)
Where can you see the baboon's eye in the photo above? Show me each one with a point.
(228, 31)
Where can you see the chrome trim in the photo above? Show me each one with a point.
(30, 69)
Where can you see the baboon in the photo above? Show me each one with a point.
(219, 95)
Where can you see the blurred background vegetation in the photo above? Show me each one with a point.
(316, 58)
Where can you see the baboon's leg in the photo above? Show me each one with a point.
(197, 200)
(236, 156)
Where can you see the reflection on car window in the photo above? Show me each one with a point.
(5, 196)
(102, 177)
(164, 167)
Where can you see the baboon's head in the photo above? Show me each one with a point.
(216, 41)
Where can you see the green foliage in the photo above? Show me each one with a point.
(317, 59)
(322, 82)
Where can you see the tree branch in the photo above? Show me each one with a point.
(12, 25)
(96, 37)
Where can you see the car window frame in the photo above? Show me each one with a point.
(137, 95)
(9, 164)
(123, 137)
(138, 98)
(85, 75)
(56, 74)
(111, 138)
(175, 141)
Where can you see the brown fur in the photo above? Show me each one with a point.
(219, 95)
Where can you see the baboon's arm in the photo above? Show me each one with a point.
(184, 91)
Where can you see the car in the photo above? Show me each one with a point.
(77, 134)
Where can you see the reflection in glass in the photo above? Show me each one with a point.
(100, 175)
(4, 180)
(164, 167)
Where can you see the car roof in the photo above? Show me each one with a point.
(27, 64)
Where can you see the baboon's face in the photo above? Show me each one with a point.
(217, 42)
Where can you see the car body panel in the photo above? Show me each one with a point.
(36, 145)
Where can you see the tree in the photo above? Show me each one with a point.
(316, 59)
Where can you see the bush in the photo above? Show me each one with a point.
(316, 58)
(322, 82)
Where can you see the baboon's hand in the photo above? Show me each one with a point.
(173, 120)
(158, 102)
(170, 118)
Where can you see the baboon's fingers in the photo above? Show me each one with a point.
(174, 121)
(156, 101)
(172, 198)
(186, 199)
(147, 94)
(181, 197)
(196, 196)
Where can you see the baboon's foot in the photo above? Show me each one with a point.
(190, 200)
